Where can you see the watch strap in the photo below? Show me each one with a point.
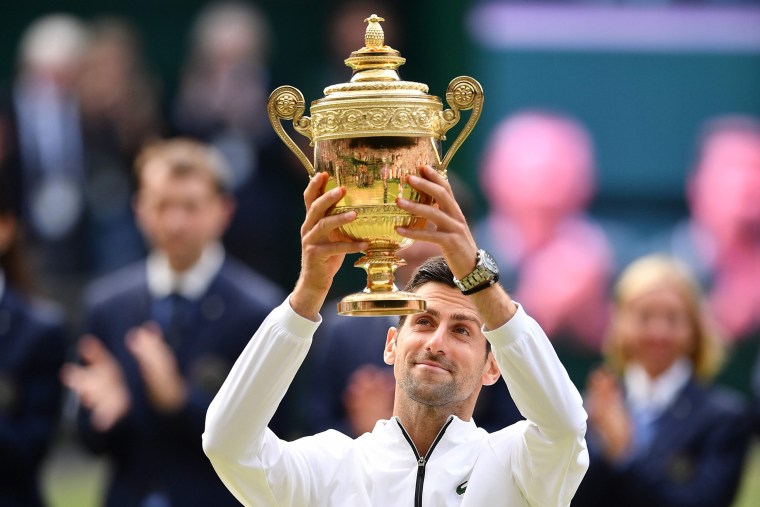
(482, 286)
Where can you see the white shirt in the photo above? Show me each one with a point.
(653, 396)
(540, 461)
(191, 283)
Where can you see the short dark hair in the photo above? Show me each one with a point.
(433, 270)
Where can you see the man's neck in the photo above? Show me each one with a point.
(423, 424)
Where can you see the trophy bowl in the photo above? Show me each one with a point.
(369, 134)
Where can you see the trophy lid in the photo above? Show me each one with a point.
(375, 63)
(376, 101)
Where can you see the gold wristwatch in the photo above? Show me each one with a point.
(485, 274)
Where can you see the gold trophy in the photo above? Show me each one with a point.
(369, 134)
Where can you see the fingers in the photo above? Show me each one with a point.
(444, 211)
(72, 377)
(92, 350)
(99, 383)
(147, 346)
(433, 184)
(164, 383)
(315, 189)
(318, 204)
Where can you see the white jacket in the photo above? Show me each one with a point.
(538, 462)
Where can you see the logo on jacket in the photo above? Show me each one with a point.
(462, 487)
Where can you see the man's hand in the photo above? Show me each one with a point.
(99, 383)
(323, 247)
(164, 385)
(451, 232)
(455, 240)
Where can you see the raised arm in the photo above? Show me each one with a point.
(256, 466)
(323, 248)
(551, 456)
(453, 236)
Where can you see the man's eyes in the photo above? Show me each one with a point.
(462, 330)
(427, 322)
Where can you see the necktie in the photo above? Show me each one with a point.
(172, 314)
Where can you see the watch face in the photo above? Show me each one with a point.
(488, 262)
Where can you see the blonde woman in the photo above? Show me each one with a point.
(659, 433)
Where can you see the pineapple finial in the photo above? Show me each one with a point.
(374, 38)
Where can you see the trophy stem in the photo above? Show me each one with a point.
(380, 297)
(380, 266)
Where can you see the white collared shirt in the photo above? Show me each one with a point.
(650, 395)
(192, 283)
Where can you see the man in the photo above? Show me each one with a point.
(430, 452)
(33, 344)
(163, 334)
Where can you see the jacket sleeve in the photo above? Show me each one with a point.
(28, 427)
(706, 471)
(252, 462)
(551, 458)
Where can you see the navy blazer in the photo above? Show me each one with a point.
(696, 457)
(157, 452)
(32, 348)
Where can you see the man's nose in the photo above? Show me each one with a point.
(436, 342)
(176, 219)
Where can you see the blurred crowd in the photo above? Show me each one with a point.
(143, 239)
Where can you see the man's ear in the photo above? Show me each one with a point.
(389, 356)
(491, 371)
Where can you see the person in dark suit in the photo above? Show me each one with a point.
(659, 433)
(32, 346)
(162, 334)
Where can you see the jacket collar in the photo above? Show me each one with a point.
(192, 283)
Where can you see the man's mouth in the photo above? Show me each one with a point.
(431, 365)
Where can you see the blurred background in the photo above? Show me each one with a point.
(642, 77)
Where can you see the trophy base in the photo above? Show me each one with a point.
(375, 304)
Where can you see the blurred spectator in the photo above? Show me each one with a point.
(45, 148)
(223, 93)
(659, 434)
(721, 238)
(32, 346)
(222, 100)
(538, 178)
(346, 33)
(119, 111)
(163, 333)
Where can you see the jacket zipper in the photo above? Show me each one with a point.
(422, 460)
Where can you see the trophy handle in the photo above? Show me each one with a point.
(287, 103)
(462, 94)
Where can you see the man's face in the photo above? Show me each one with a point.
(180, 215)
(439, 356)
